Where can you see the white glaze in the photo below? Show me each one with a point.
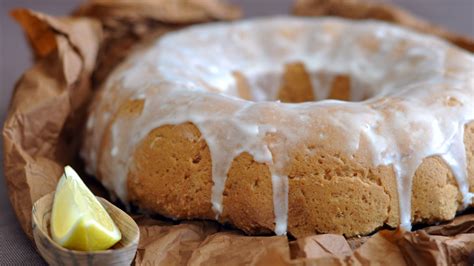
(455, 157)
(187, 77)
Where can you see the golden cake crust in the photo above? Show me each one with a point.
(328, 192)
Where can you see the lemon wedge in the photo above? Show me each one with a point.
(78, 220)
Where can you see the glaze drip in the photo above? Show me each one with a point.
(455, 157)
(421, 90)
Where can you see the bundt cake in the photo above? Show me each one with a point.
(284, 124)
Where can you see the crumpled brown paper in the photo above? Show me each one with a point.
(42, 132)
(47, 106)
(207, 243)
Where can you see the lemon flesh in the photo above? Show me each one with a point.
(78, 220)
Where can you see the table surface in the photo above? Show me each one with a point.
(15, 57)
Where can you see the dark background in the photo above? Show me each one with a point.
(15, 57)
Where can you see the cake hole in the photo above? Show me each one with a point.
(131, 108)
(311, 147)
(256, 183)
(452, 101)
(296, 85)
(196, 159)
(364, 199)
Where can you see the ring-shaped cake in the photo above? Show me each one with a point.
(287, 124)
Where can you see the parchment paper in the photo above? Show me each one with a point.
(74, 55)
